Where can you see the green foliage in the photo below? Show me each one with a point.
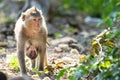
(5, 20)
(2, 50)
(61, 73)
(1, 0)
(58, 35)
(71, 28)
(103, 60)
(92, 7)
(101, 42)
(103, 65)
(36, 70)
(22, 0)
(14, 64)
(105, 9)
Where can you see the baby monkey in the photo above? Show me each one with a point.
(30, 29)
(31, 52)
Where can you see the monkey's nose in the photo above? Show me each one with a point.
(38, 24)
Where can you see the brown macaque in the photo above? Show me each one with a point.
(30, 29)
(31, 52)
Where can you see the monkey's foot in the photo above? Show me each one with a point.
(31, 72)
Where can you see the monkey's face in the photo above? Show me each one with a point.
(35, 23)
(33, 19)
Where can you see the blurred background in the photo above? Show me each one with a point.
(73, 22)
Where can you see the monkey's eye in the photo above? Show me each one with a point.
(39, 19)
(34, 19)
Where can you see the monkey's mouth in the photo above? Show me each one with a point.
(36, 29)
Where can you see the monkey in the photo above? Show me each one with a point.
(30, 29)
(31, 52)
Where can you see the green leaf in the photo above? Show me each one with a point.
(61, 73)
(36, 70)
(71, 28)
(58, 35)
(105, 64)
(14, 64)
(2, 50)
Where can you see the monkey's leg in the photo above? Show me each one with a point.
(21, 57)
(46, 60)
(33, 63)
(42, 57)
(40, 60)
(37, 61)
(41, 65)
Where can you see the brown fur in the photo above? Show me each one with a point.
(30, 29)
(31, 52)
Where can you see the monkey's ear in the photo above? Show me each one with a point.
(23, 16)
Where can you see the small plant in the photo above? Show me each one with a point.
(71, 28)
(36, 71)
(14, 65)
(101, 64)
(5, 20)
(58, 35)
(2, 50)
